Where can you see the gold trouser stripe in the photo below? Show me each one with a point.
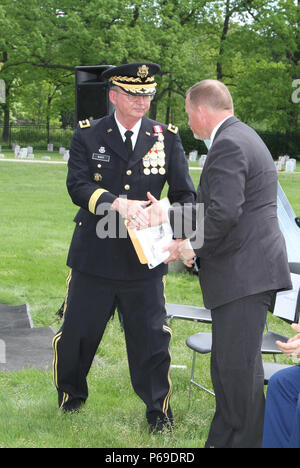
(68, 281)
(58, 335)
(168, 329)
(164, 280)
(65, 399)
(55, 357)
(94, 198)
(168, 396)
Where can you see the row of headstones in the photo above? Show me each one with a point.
(27, 153)
(193, 156)
(285, 163)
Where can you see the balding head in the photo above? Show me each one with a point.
(207, 104)
(211, 93)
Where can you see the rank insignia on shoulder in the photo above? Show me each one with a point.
(172, 128)
(84, 123)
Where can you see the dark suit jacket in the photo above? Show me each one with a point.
(99, 172)
(244, 250)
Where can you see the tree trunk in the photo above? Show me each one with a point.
(5, 135)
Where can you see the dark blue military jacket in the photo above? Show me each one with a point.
(100, 171)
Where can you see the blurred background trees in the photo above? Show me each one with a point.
(253, 46)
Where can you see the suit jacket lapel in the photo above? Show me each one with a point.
(224, 125)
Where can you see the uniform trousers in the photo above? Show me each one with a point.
(90, 303)
(282, 415)
(237, 372)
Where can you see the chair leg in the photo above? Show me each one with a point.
(192, 377)
(193, 382)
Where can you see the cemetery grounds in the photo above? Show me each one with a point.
(35, 232)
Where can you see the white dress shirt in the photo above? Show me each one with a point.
(134, 129)
(213, 133)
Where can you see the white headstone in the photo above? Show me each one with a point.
(193, 156)
(23, 153)
(202, 160)
(278, 165)
(17, 150)
(290, 165)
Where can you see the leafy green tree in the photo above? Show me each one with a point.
(251, 45)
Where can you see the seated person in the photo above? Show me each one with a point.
(282, 413)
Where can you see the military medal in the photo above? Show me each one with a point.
(154, 161)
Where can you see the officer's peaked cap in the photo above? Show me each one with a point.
(134, 78)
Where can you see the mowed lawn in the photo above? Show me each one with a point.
(35, 232)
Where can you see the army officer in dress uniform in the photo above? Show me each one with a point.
(109, 167)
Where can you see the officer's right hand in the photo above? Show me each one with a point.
(133, 211)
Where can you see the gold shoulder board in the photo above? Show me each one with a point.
(172, 128)
(84, 123)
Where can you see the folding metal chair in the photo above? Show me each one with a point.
(201, 343)
(271, 337)
(187, 312)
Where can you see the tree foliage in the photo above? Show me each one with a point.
(251, 45)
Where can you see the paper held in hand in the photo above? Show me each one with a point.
(287, 303)
(149, 243)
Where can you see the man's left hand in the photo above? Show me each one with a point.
(187, 253)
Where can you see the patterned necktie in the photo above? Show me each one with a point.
(128, 142)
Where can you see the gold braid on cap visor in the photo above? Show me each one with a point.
(141, 88)
(131, 79)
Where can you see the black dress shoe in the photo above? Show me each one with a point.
(72, 406)
(159, 422)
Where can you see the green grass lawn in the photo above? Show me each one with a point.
(35, 232)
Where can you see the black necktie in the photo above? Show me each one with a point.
(128, 142)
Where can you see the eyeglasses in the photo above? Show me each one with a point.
(132, 98)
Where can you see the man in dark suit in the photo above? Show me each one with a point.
(242, 260)
(114, 162)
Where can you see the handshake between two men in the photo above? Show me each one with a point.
(145, 214)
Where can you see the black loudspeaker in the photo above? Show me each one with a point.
(92, 101)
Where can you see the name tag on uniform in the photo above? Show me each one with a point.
(101, 157)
